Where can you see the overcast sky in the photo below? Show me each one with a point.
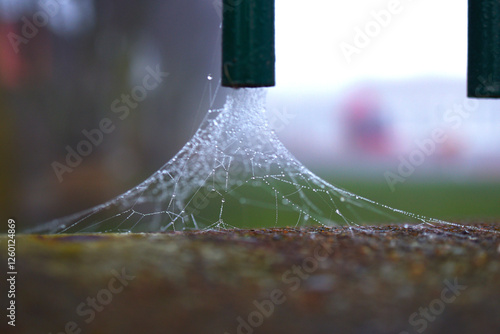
(420, 38)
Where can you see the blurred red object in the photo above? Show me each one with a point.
(25, 63)
(366, 130)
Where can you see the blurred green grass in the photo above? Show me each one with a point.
(433, 198)
(444, 200)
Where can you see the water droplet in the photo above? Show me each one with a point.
(223, 200)
(337, 212)
(209, 77)
(342, 199)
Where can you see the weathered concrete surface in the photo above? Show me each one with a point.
(311, 280)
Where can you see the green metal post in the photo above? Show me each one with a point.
(248, 55)
(483, 68)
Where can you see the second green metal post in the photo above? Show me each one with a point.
(483, 70)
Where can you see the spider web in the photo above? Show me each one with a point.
(234, 172)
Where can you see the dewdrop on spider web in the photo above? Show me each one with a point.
(233, 173)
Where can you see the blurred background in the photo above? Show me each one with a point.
(370, 95)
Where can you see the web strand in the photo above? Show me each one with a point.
(234, 172)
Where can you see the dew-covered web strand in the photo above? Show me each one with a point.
(234, 172)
